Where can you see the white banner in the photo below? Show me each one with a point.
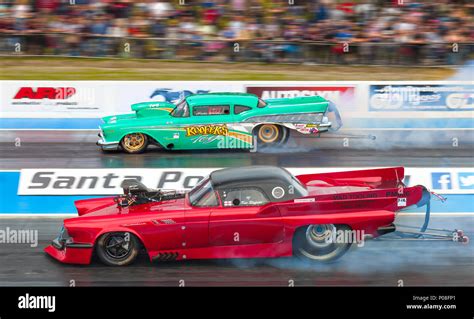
(107, 181)
(94, 99)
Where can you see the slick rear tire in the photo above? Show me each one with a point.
(271, 135)
(118, 248)
(134, 143)
(310, 244)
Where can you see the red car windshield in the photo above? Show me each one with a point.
(203, 195)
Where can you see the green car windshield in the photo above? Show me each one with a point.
(181, 110)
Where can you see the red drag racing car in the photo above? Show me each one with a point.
(248, 212)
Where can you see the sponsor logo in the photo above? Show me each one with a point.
(466, 180)
(421, 97)
(336, 94)
(207, 130)
(354, 196)
(206, 139)
(304, 200)
(53, 99)
(401, 202)
(307, 128)
(103, 181)
(106, 181)
(441, 180)
(40, 93)
(278, 192)
(37, 302)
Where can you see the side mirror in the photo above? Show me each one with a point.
(236, 202)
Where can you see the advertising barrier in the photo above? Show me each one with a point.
(365, 100)
(53, 191)
(106, 181)
(452, 98)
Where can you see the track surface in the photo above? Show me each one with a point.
(87, 155)
(378, 263)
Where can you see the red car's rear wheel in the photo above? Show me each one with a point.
(118, 248)
(316, 243)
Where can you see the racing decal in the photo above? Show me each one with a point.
(397, 193)
(304, 200)
(355, 196)
(401, 202)
(207, 130)
(206, 139)
(278, 192)
(421, 97)
(307, 128)
(287, 118)
(168, 221)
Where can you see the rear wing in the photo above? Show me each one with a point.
(377, 178)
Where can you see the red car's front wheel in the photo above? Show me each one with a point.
(118, 248)
(318, 243)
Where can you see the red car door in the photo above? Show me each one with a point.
(164, 232)
(245, 217)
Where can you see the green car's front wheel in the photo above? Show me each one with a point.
(271, 135)
(134, 143)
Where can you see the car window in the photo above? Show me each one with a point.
(211, 110)
(243, 197)
(181, 110)
(203, 195)
(261, 103)
(241, 108)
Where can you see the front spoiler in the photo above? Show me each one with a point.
(71, 254)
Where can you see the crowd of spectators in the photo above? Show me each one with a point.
(324, 31)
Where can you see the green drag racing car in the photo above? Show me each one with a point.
(212, 121)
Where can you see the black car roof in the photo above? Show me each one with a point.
(250, 174)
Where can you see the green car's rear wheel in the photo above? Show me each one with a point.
(134, 143)
(271, 135)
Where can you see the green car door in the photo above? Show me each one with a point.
(204, 127)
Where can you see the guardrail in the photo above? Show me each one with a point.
(270, 51)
